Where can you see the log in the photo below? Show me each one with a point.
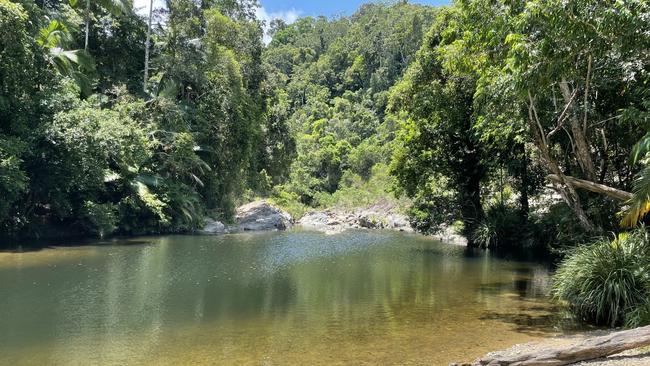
(593, 187)
(589, 349)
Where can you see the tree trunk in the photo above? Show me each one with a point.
(469, 187)
(568, 193)
(524, 181)
(87, 20)
(589, 349)
(583, 149)
(146, 48)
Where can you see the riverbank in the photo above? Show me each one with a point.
(263, 216)
(634, 357)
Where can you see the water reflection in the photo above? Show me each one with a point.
(277, 298)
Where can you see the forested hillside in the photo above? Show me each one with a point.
(87, 141)
(332, 81)
(511, 121)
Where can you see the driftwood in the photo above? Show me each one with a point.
(593, 187)
(589, 349)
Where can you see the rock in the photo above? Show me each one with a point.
(321, 221)
(213, 227)
(370, 218)
(370, 221)
(448, 235)
(398, 222)
(261, 216)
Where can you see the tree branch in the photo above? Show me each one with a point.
(592, 187)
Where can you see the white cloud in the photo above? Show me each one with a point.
(289, 16)
(142, 6)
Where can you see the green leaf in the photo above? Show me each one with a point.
(640, 150)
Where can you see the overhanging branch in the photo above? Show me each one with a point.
(593, 187)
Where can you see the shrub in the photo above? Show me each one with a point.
(99, 219)
(503, 226)
(608, 281)
(485, 234)
(639, 316)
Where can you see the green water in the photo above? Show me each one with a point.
(294, 298)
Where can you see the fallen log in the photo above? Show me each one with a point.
(593, 187)
(589, 349)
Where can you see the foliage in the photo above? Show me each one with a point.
(435, 138)
(330, 79)
(449, 107)
(502, 226)
(607, 282)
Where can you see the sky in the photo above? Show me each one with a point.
(324, 7)
(290, 10)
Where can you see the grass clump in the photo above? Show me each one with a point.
(608, 282)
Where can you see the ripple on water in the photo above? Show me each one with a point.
(357, 297)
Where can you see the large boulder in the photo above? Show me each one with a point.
(261, 216)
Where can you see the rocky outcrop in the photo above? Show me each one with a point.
(254, 216)
(368, 218)
(213, 227)
(260, 216)
(326, 221)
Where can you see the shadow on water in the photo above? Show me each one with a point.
(540, 324)
(35, 245)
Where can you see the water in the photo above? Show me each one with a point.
(294, 298)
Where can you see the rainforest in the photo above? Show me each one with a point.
(521, 128)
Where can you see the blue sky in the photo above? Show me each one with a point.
(290, 10)
(325, 7)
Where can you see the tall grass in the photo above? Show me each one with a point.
(608, 281)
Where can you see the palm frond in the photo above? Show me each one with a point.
(639, 205)
(640, 149)
(75, 64)
(56, 34)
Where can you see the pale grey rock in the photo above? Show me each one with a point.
(398, 222)
(375, 217)
(448, 235)
(213, 227)
(261, 216)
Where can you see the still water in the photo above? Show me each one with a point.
(292, 298)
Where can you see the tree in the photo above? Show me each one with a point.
(564, 63)
(435, 140)
(114, 7)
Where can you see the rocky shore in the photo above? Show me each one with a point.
(633, 357)
(254, 216)
(263, 216)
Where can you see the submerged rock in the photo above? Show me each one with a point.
(261, 216)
